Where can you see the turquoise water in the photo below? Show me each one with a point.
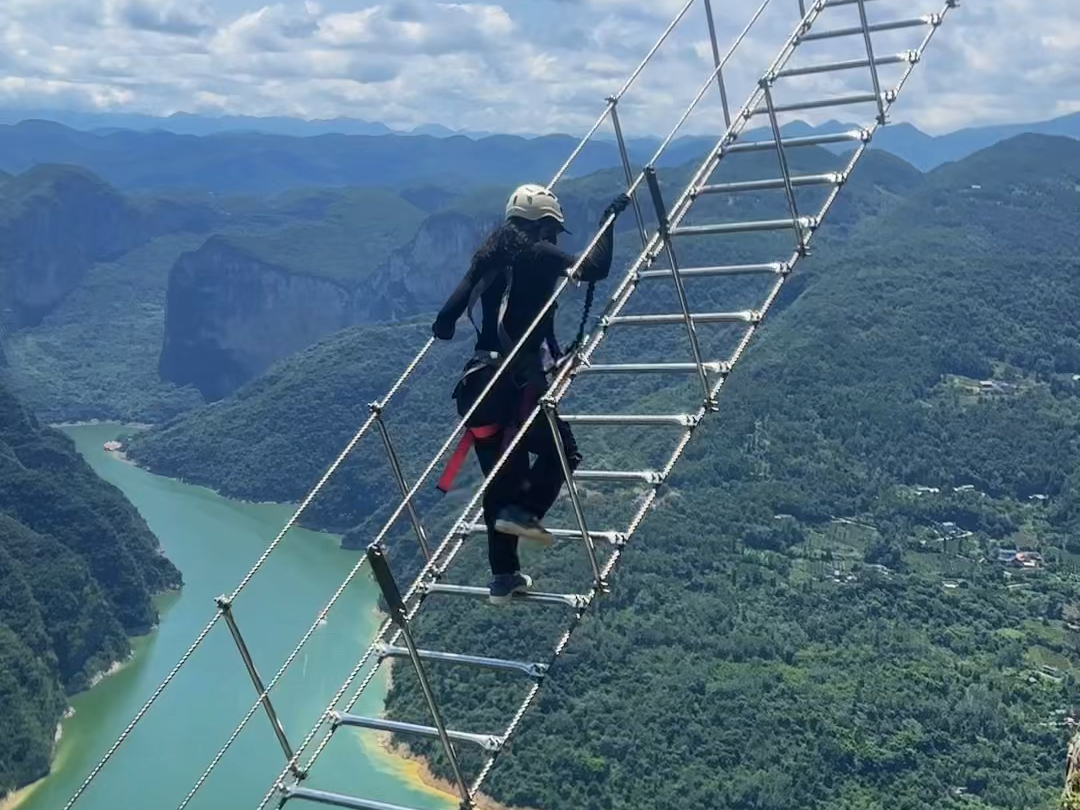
(214, 541)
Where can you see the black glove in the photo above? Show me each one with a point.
(443, 330)
(618, 205)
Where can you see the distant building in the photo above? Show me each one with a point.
(1013, 558)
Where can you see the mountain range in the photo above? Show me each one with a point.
(902, 139)
(237, 159)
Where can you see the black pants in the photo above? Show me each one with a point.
(532, 486)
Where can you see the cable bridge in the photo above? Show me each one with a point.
(686, 240)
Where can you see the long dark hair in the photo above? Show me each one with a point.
(504, 245)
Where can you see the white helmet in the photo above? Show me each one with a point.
(534, 202)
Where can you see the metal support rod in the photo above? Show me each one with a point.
(665, 235)
(399, 476)
(847, 64)
(793, 207)
(225, 606)
(716, 61)
(625, 156)
(894, 25)
(819, 104)
(389, 588)
(571, 488)
(873, 67)
(802, 7)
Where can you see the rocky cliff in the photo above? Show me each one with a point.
(56, 222)
(420, 275)
(230, 313)
(236, 306)
(229, 316)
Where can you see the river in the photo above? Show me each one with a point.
(214, 541)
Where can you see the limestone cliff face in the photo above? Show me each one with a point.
(229, 316)
(56, 222)
(419, 276)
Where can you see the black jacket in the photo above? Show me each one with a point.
(535, 272)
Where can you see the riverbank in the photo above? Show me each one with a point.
(98, 422)
(13, 800)
(417, 769)
(214, 541)
(414, 768)
(23, 794)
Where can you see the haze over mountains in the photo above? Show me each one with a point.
(259, 156)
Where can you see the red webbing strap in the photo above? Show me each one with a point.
(529, 396)
(458, 458)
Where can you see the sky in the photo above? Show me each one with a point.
(517, 66)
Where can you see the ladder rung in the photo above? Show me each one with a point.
(773, 269)
(744, 227)
(641, 476)
(895, 25)
(838, 101)
(798, 181)
(614, 538)
(573, 600)
(675, 419)
(805, 140)
(652, 368)
(850, 64)
(746, 316)
(528, 668)
(489, 742)
(336, 799)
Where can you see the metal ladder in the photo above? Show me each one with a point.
(395, 638)
(711, 374)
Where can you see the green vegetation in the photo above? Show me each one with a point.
(95, 356)
(93, 335)
(339, 235)
(814, 614)
(78, 568)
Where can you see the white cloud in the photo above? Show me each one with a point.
(169, 17)
(512, 65)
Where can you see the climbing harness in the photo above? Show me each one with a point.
(508, 424)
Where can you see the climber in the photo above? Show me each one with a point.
(513, 275)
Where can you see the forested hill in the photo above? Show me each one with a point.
(912, 396)
(78, 568)
(915, 409)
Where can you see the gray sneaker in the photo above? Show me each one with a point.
(504, 586)
(515, 520)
